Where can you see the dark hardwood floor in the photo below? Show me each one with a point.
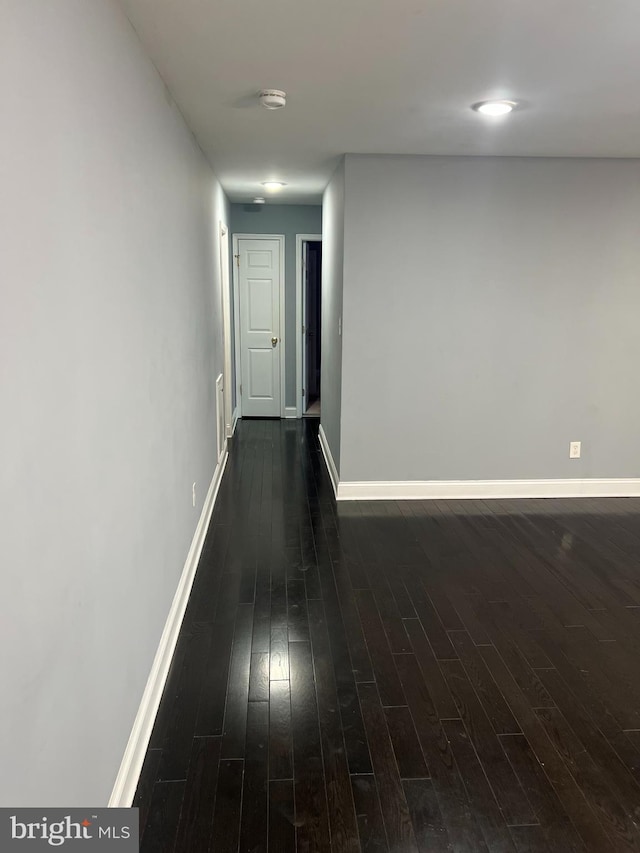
(410, 676)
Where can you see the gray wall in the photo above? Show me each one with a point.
(110, 344)
(333, 241)
(287, 219)
(491, 317)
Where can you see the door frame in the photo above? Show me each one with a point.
(301, 239)
(228, 367)
(236, 316)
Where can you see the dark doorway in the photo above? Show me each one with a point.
(312, 308)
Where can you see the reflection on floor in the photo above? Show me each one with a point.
(404, 676)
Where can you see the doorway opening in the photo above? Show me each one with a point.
(312, 314)
(309, 268)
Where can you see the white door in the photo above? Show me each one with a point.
(260, 345)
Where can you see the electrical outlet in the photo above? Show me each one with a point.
(574, 449)
(193, 494)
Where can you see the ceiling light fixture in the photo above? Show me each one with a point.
(273, 99)
(273, 186)
(258, 200)
(494, 108)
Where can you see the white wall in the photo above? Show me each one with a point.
(333, 231)
(110, 343)
(491, 317)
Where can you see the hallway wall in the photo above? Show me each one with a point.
(504, 328)
(333, 243)
(110, 343)
(287, 219)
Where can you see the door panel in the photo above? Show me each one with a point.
(259, 293)
(260, 296)
(258, 260)
(260, 375)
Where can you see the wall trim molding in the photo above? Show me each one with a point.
(127, 779)
(485, 489)
(291, 412)
(331, 465)
(228, 356)
(234, 420)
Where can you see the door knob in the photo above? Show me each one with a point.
(274, 341)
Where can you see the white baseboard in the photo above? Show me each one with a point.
(484, 489)
(127, 779)
(328, 458)
(290, 412)
(234, 420)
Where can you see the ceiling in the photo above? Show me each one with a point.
(393, 77)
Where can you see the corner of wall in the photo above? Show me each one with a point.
(332, 284)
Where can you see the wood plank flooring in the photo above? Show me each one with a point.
(410, 676)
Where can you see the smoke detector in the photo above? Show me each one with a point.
(273, 99)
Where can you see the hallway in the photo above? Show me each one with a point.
(408, 676)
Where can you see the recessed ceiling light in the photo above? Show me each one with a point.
(494, 108)
(258, 200)
(273, 186)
